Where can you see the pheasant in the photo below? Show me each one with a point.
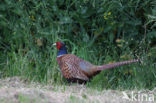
(75, 69)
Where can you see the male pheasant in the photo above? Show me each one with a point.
(75, 69)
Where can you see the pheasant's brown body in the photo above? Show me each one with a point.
(75, 69)
(70, 67)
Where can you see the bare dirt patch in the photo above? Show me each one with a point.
(16, 90)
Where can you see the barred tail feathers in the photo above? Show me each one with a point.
(113, 65)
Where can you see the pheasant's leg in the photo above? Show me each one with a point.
(75, 80)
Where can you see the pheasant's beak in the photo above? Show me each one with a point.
(54, 44)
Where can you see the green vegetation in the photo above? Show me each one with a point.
(100, 31)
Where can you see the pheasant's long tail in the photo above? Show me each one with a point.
(113, 65)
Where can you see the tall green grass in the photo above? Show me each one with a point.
(101, 32)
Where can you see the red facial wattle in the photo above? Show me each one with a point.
(59, 45)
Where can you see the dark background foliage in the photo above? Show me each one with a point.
(100, 31)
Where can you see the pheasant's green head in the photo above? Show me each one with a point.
(61, 48)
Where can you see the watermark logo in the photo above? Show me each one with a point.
(138, 96)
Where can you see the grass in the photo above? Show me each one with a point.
(18, 90)
(36, 67)
(25, 99)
